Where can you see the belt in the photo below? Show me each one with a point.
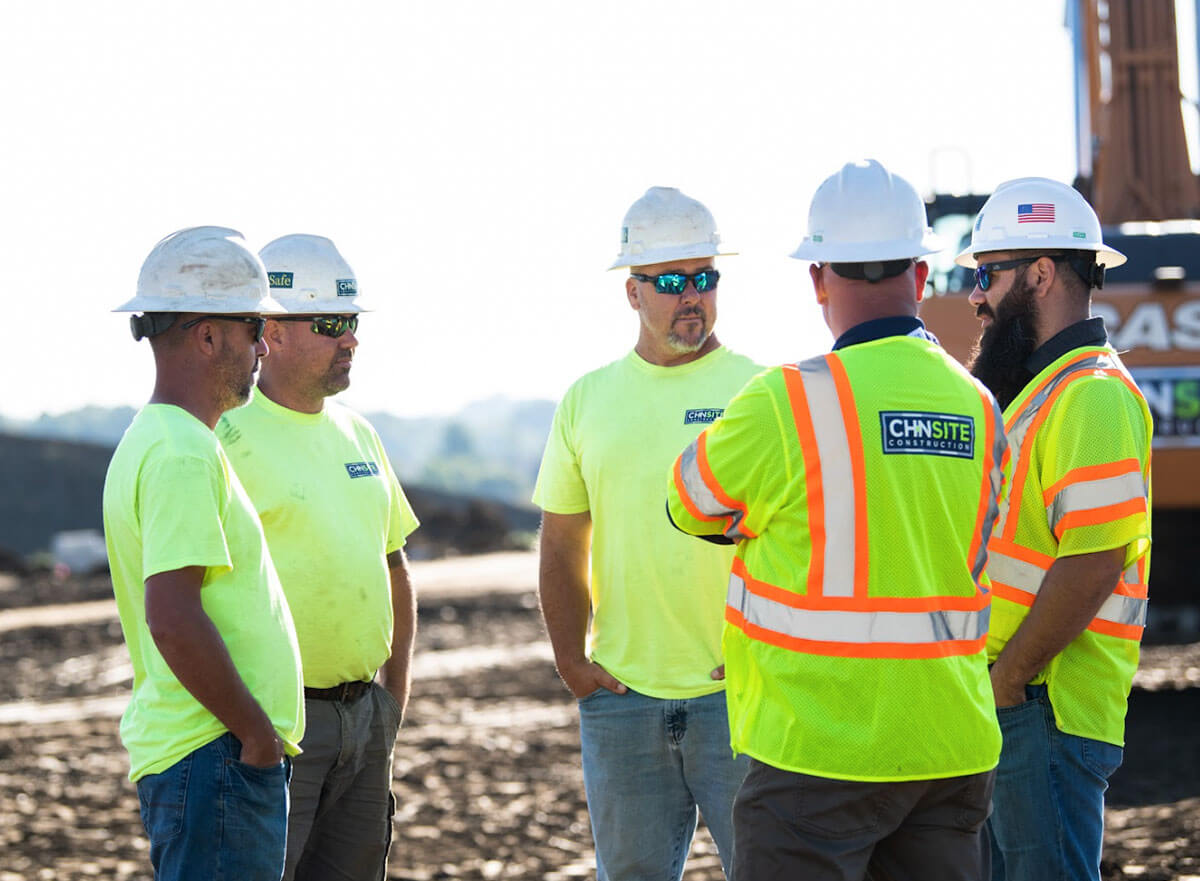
(345, 692)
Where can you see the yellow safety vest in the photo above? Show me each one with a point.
(862, 487)
(1079, 439)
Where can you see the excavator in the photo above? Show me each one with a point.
(1135, 170)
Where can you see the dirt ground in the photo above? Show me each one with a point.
(487, 772)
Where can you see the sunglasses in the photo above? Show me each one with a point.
(260, 324)
(984, 271)
(328, 325)
(675, 283)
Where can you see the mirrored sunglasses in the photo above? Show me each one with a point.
(327, 325)
(675, 283)
(985, 271)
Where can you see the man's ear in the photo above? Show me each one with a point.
(631, 293)
(274, 334)
(922, 277)
(1042, 273)
(814, 272)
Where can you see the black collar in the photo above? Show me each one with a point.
(877, 329)
(1089, 332)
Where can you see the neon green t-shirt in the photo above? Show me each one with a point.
(170, 501)
(658, 596)
(332, 511)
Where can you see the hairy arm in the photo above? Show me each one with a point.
(566, 600)
(397, 678)
(1071, 594)
(192, 647)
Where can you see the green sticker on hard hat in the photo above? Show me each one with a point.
(818, 238)
(347, 287)
(1079, 235)
(279, 279)
(624, 235)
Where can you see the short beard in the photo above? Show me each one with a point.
(998, 359)
(681, 346)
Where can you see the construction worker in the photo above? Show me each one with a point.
(216, 706)
(860, 488)
(336, 520)
(1070, 554)
(653, 726)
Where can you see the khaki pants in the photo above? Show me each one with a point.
(789, 825)
(341, 804)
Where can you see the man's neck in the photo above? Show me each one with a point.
(663, 356)
(292, 399)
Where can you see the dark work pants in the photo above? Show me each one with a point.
(790, 826)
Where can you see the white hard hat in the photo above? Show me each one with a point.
(666, 225)
(307, 274)
(1037, 214)
(202, 269)
(864, 213)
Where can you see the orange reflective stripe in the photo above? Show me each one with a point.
(686, 499)
(1122, 631)
(1083, 356)
(1091, 472)
(1099, 516)
(1027, 555)
(812, 476)
(857, 464)
(1012, 594)
(985, 516)
(718, 491)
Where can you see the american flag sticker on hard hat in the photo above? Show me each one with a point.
(1035, 212)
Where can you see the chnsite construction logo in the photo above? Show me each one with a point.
(929, 434)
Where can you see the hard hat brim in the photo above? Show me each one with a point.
(1105, 255)
(665, 255)
(862, 252)
(211, 305)
(348, 306)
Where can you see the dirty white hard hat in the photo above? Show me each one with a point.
(865, 213)
(307, 274)
(1037, 214)
(202, 269)
(666, 225)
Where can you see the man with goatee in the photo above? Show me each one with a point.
(1069, 555)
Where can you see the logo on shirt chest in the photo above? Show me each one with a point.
(362, 469)
(927, 434)
(702, 415)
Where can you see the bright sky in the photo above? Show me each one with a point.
(473, 161)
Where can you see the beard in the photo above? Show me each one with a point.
(685, 345)
(998, 359)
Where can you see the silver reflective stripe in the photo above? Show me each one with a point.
(910, 628)
(1124, 610)
(702, 497)
(837, 475)
(996, 479)
(1087, 494)
(1027, 577)
(1015, 573)
(1016, 435)
(1131, 575)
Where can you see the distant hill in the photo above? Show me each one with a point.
(49, 485)
(490, 448)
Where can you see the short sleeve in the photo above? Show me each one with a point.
(732, 479)
(560, 487)
(402, 522)
(181, 505)
(1095, 469)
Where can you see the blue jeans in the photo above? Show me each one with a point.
(1047, 820)
(647, 765)
(211, 818)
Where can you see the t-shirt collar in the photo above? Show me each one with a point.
(878, 328)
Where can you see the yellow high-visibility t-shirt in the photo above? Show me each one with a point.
(332, 511)
(658, 596)
(171, 500)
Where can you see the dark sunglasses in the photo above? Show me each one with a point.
(675, 283)
(984, 271)
(328, 325)
(260, 324)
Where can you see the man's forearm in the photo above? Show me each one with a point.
(397, 677)
(1070, 596)
(194, 650)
